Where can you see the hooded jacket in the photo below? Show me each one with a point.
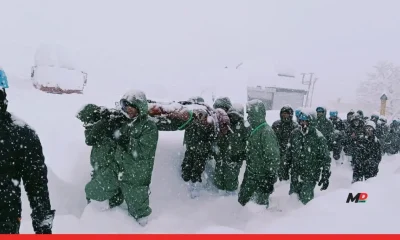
(22, 159)
(263, 155)
(137, 143)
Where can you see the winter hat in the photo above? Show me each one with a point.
(383, 119)
(297, 113)
(375, 116)
(370, 124)
(223, 102)
(287, 109)
(237, 108)
(333, 113)
(358, 117)
(304, 117)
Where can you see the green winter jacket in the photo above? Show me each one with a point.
(263, 155)
(199, 136)
(306, 155)
(137, 145)
(99, 135)
(325, 127)
(283, 131)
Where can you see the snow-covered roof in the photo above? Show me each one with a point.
(277, 82)
(270, 73)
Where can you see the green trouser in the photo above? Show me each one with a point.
(114, 201)
(256, 186)
(304, 190)
(194, 163)
(106, 186)
(226, 176)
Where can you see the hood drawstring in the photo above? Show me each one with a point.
(257, 128)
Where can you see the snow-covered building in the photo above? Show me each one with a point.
(55, 71)
(277, 91)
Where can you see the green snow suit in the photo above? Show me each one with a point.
(135, 153)
(98, 134)
(283, 130)
(199, 139)
(232, 152)
(306, 155)
(263, 158)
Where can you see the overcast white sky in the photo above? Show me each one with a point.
(339, 40)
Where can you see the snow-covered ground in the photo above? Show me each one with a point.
(67, 156)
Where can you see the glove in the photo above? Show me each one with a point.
(105, 113)
(43, 223)
(270, 187)
(324, 180)
(324, 183)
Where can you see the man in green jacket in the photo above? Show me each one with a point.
(283, 129)
(306, 155)
(325, 126)
(222, 151)
(100, 125)
(135, 152)
(228, 163)
(199, 137)
(263, 158)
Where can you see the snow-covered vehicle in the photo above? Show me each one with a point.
(56, 72)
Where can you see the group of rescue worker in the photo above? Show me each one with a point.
(298, 150)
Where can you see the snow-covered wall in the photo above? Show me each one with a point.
(293, 99)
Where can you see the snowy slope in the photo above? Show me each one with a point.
(173, 210)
